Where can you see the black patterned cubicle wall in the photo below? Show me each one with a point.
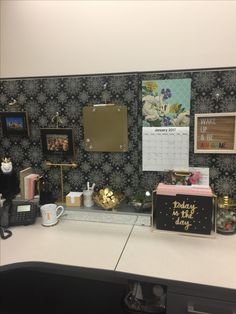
(212, 91)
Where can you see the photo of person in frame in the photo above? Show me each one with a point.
(57, 143)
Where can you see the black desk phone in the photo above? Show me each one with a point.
(18, 212)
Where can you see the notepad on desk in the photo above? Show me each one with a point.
(73, 199)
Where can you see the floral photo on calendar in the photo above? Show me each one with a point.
(166, 103)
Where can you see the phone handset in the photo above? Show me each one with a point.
(4, 219)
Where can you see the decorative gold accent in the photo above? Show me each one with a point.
(56, 119)
(182, 173)
(105, 128)
(227, 202)
(72, 165)
(108, 199)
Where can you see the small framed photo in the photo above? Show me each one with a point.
(57, 141)
(14, 123)
(215, 133)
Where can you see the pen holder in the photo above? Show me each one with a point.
(88, 198)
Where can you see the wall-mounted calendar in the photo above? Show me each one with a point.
(165, 148)
(166, 117)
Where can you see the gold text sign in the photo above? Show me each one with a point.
(184, 214)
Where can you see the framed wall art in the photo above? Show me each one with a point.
(215, 133)
(14, 123)
(57, 141)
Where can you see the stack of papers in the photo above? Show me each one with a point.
(199, 190)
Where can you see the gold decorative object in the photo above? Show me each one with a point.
(108, 199)
(57, 120)
(105, 128)
(61, 166)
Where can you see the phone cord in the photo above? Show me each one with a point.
(5, 233)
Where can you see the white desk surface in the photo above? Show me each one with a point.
(191, 259)
(75, 243)
(150, 253)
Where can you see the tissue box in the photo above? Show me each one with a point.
(73, 199)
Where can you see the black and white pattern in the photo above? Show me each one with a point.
(212, 91)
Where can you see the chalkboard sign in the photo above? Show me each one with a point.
(215, 133)
(184, 213)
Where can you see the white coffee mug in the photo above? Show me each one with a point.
(50, 214)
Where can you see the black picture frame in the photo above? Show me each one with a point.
(14, 123)
(57, 141)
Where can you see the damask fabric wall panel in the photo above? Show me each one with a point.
(211, 91)
(43, 97)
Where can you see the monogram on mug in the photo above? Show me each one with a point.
(50, 214)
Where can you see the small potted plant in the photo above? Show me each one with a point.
(142, 200)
